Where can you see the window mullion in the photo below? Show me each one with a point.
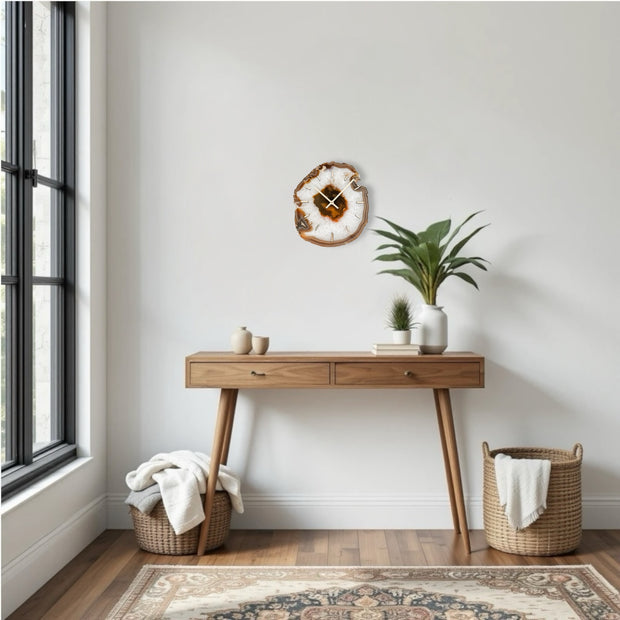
(10, 169)
(24, 218)
(43, 180)
(68, 228)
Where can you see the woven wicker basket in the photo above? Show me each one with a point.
(558, 529)
(155, 534)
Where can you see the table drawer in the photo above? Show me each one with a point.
(257, 374)
(409, 374)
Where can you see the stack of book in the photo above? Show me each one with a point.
(395, 349)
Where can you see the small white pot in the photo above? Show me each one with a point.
(401, 336)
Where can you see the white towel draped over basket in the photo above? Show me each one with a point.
(522, 486)
(182, 477)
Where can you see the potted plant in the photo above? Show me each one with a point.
(429, 258)
(400, 320)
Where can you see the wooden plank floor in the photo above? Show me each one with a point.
(89, 586)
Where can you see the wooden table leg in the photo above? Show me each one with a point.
(444, 413)
(221, 441)
(232, 403)
(446, 462)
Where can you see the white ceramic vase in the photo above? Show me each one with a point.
(432, 331)
(401, 336)
(241, 341)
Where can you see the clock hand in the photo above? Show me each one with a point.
(329, 202)
(345, 187)
(322, 194)
(332, 202)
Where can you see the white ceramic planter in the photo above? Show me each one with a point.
(401, 336)
(432, 332)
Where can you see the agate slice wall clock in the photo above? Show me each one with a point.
(332, 208)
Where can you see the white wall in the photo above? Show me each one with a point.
(216, 112)
(48, 524)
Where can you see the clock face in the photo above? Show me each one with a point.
(332, 208)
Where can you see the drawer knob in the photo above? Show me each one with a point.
(408, 373)
(257, 374)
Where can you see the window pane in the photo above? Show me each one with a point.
(3, 79)
(6, 419)
(45, 367)
(43, 104)
(45, 232)
(3, 136)
(3, 224)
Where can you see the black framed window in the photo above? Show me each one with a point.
(37, 239)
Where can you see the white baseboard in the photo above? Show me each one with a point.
(25, 574)
(118, 512)
(347, 512)
(601, 513)
(366, 512)
(326, 512)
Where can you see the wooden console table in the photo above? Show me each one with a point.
(336, 370)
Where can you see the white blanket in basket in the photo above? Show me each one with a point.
(522, 486)
(182, 477)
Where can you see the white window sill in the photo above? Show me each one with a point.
(41, 485)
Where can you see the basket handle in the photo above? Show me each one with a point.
(578, 451)
(485, 449)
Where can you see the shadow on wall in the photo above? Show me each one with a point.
(524, 413)
(325, 426)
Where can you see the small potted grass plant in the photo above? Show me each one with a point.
(400, 320)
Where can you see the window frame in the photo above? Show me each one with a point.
(21, 178)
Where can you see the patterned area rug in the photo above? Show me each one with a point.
(364, 593)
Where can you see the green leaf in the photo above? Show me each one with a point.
(409, 234)
(389, 235)
(466, 277)
(388, 257)
(388, 245)
(459, 246)
(437, 231)
(434, 256)
(456, 231)
(406, 274)
(423, 254)
(459, 261)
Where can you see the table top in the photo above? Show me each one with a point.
(335, 356)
